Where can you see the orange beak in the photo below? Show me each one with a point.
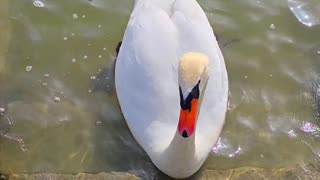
(187, 119)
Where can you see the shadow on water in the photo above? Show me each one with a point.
(119, 149)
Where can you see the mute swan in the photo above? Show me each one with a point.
(172, 84)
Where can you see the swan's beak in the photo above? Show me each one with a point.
(187, 119)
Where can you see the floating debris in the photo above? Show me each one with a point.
(84, 156)
(2, 110)
(73, 60)
(318, 51)
(83, 16)
(272, 27)
(85, 57)
(92, 77)
(73, 154)
(38, 3)
(44, 84)
(104, 49)
(98, 123)
(75, 16)
(65, 38)
(100, 56)
(73, 34)
(99, 26)
(89, 91)
(56, 99)
(46, 75)
(28, 68)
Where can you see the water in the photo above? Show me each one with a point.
(307, 12)
(66, 112)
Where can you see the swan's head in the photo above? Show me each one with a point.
(193, 76)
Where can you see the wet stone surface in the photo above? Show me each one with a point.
(243, 173)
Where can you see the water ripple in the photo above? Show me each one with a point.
(306, 11)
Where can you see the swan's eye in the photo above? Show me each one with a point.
(194, 94)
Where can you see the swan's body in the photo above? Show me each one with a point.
(149, 70)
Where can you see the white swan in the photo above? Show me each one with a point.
(172, 84)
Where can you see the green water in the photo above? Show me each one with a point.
(69, 43)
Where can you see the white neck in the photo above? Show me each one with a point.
(180, 156)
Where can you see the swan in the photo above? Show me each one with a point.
(172, 84)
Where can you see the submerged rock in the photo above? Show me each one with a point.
(244, 173)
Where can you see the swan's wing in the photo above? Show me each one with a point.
(146, 75)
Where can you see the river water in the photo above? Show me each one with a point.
(56, 85)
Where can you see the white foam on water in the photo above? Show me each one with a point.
(38, 3)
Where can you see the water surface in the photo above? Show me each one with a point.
(67, 115)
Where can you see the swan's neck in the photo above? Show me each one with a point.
(181, 147)
(180, 154)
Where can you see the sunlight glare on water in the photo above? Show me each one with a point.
(306, 11)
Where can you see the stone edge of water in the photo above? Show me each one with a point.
(245, 173)
(242, 173)
(79, 176)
